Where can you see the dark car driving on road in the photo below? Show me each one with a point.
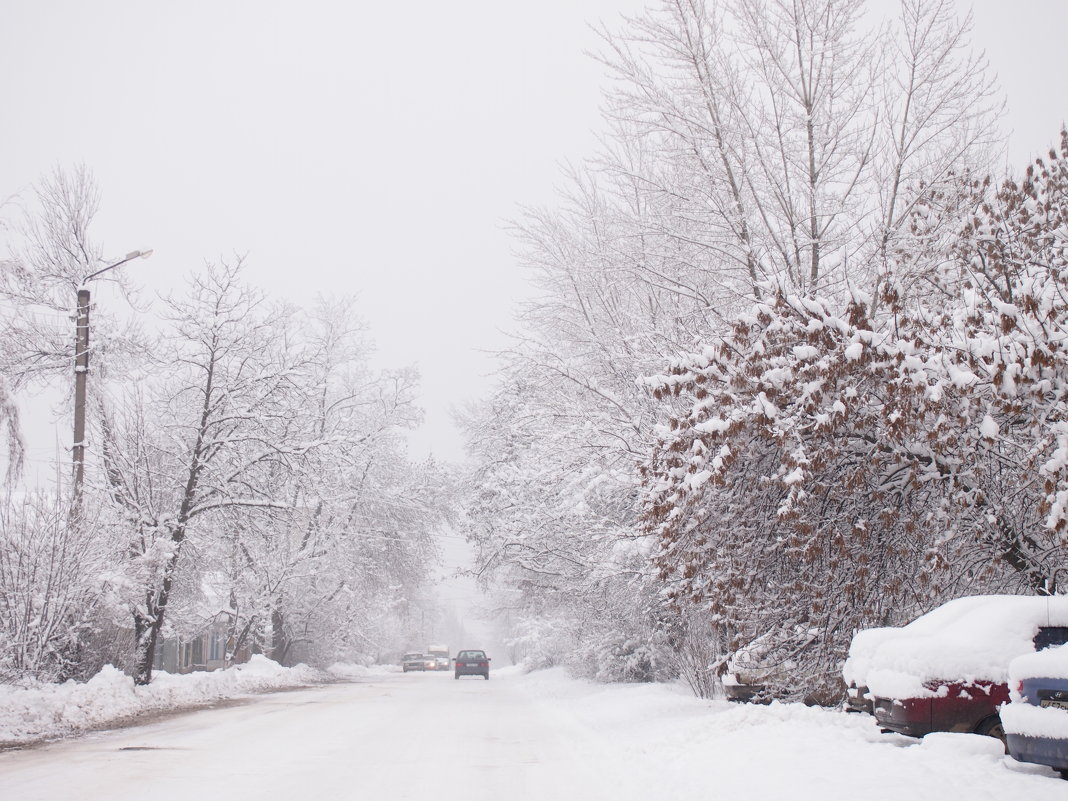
(472, 663)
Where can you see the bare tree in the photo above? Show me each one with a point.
(42, 287)
(788, 141)
(49, 588)
(195, 442)
(357, 521)
(40, 283)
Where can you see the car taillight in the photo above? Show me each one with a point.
(460, 664)
(483, 664)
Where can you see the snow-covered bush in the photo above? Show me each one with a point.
(51, 588)
(826, 469)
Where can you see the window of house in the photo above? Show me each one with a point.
(198, 651)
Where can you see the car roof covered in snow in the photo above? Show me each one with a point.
(968, 639)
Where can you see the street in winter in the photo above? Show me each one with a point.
(616, 399)
(533, 736)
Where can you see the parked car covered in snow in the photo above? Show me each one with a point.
(1036, 719)
(768, 663)
(948, 670)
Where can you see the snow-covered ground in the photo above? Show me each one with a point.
(538, 736)
(37, 710)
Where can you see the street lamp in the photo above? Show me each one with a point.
(81, 369)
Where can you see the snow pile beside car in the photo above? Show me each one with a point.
(48, 710)
(662, 743)
(970, 639)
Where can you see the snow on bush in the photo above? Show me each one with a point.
(969, 639)
(39, 710)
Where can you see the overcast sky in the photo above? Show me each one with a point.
(370, 148)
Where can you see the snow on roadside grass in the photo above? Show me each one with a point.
(663, 737)
(40, 711)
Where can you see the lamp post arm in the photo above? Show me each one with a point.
(137, 254)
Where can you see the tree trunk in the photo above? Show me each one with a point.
(279, 641)
(147, 627)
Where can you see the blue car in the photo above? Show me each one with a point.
(1036, 718)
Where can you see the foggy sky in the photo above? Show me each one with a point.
(376, 149)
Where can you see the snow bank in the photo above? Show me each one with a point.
(663, 743)
(50, 710)
(969, 639)
(957, 745)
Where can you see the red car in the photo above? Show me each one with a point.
(954, 706)
(948, 669)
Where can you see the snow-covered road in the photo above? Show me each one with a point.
(540, 736)
(415, 736)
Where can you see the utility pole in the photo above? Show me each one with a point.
(81, 373)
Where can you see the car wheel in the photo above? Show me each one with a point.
(456, 676)
(991, 727)
(485, 676)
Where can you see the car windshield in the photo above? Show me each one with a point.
(413, 656)
(472, 655)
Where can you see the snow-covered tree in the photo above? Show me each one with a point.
(788, 141)
(225, 410)
(756, 150)
(55, 254)
(355, 533)
(824, 470)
